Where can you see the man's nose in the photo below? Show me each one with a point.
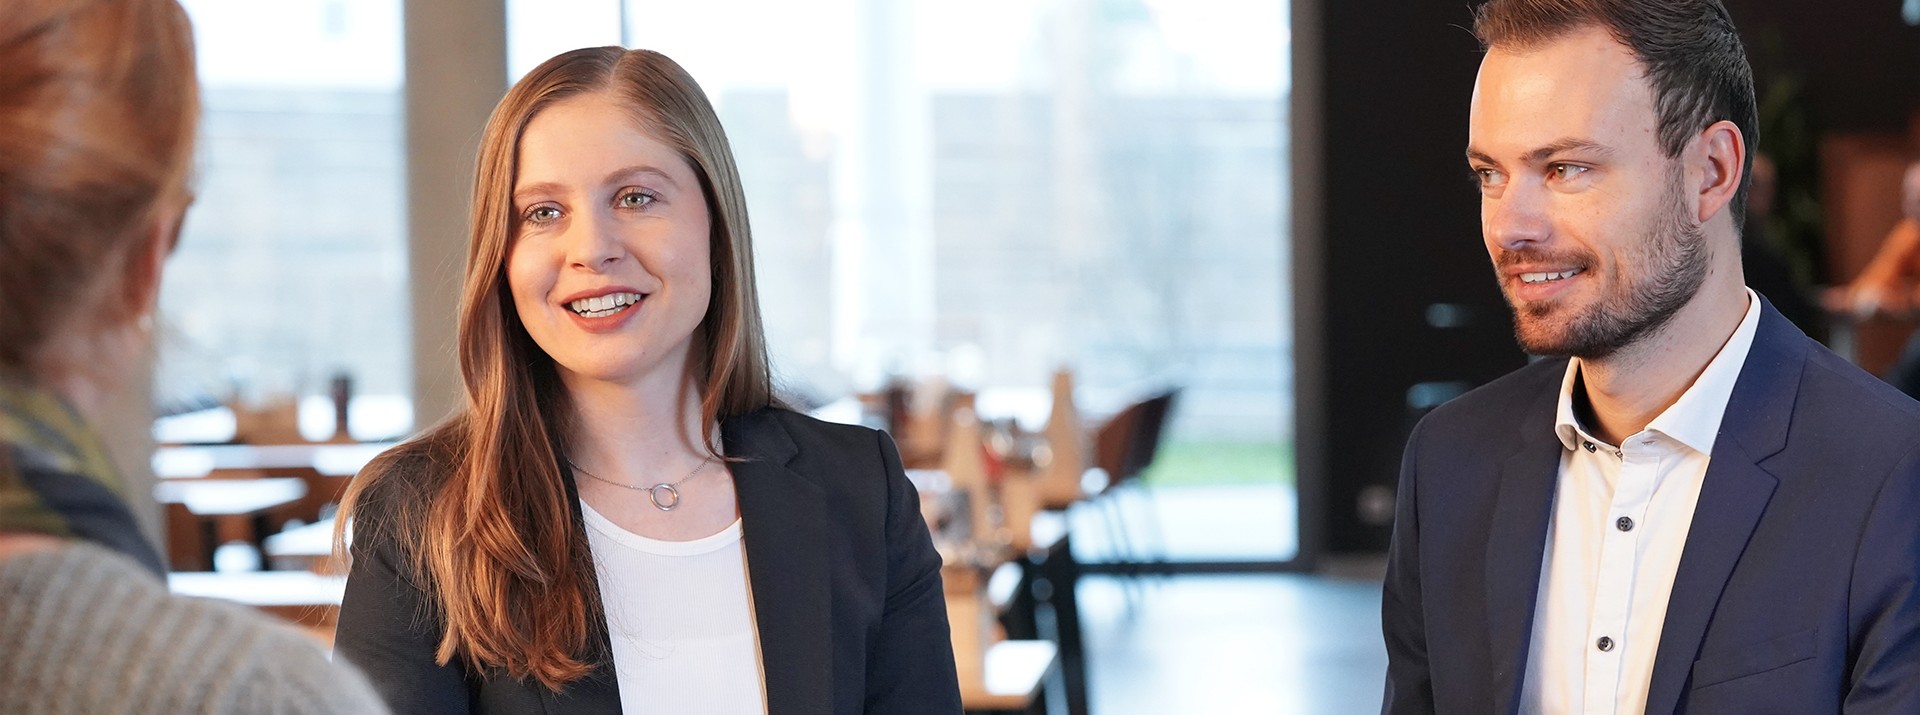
(1516, 219)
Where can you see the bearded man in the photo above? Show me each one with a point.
(1688, 506)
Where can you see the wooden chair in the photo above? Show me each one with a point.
(189, 540)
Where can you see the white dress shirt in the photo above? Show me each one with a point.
(680, 616)
(1620, 521)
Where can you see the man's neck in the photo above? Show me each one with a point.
(1628, 389)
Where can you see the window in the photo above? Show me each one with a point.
(292, 263)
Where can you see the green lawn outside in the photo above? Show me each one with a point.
(1219, 463)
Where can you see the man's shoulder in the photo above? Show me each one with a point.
(1840, 399)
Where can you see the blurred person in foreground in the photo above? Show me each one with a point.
(622, 518)
(98, 104)
(1890, 284)
(1691, 507)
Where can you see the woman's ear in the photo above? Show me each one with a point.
(140, 276)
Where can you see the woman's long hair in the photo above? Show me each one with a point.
(98, 104)
(491, 527)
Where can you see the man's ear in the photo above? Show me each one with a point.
(140, 275)
(1719, 160)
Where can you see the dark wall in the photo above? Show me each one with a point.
(1860, 61)
(1385, 201)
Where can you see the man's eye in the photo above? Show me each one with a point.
(1488, 178)
(1566, 171)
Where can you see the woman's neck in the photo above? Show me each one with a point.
(78, 389)
(629, 438)
(642, 428)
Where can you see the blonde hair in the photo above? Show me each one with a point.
(516, 590)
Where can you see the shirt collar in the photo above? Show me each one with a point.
(1694, 419)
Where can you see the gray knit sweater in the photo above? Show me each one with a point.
(86, 630)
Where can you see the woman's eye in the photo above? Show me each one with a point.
(542, 214)
(636, 199)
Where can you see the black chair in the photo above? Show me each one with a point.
(1124, 448)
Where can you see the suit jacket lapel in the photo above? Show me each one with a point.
(599, 692)
(784, 526)
(1516, 540)
(1733, 497)
(783, 530)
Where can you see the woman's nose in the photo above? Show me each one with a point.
(591, 243)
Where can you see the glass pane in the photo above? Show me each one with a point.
(292, 265)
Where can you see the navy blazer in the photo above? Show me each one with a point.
(1798, 589)
(846, 588)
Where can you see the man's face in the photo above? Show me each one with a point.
(1584, 216)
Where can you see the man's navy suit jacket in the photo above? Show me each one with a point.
(1798, 589)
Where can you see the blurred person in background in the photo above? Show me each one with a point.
(1766, 267)
(622, 517)
(1890, 283)
(98, 105)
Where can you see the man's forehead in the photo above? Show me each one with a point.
(1583, 86)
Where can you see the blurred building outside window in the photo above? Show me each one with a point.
(292, 267)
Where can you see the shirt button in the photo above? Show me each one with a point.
(1623, 524)
(1604, 644)
(1589, 446)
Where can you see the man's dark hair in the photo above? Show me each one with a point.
(1690, 49)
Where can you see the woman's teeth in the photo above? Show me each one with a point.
(1544, 277)
(603, 306)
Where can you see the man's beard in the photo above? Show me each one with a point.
(1662, 276)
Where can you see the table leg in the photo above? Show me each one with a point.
(1062, 573)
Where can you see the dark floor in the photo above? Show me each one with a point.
(1266, 644)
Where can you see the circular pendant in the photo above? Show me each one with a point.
(671, 500)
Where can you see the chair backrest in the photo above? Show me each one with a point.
(1152, 427)
(1113, 443)
(1127, 444)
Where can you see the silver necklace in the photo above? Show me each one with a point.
(671, 490)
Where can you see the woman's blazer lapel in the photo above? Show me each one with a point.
(783, 522)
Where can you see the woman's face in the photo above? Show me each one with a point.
(609, 257)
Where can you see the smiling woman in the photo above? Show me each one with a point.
(724, 554)
(609, 270)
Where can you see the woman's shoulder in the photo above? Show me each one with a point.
(407, 473)
(90, 605)
(391, 493)
(813, 436)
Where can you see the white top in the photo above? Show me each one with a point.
(1620, 520)
(680, 616)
